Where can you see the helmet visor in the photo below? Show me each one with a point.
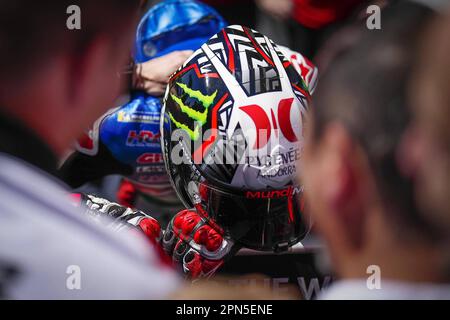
(261, 220)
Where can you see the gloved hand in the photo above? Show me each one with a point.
(196, 244)
(121, 217)
(192, 240)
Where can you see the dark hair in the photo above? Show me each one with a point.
(365, 90)
(31, 31)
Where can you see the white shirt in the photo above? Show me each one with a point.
(390, 290)
(45, 242)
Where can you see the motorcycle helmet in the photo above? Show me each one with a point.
(174, 25)
(231, 133)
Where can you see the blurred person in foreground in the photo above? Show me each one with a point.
(49, 92)
(427, 144)
(362, 204)
(54, 82)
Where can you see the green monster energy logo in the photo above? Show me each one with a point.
(199, 117)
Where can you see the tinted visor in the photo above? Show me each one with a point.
(261, 220)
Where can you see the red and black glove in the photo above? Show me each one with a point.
(192, 240)
(120, 217)
(196, 244)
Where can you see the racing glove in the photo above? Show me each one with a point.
(120, 217)
(196, 244)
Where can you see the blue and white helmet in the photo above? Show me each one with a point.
(174, 25)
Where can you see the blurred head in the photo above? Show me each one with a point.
(427, 144)
(55, 80)
(361, 203)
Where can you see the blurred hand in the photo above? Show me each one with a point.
(280, 9)
(152, 76)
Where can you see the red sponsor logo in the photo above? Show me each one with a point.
(264, 126)
(274, 194)
(147, 158)
(143, 138)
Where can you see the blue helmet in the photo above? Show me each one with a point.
(174, 25)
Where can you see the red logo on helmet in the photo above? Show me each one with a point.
(263, 124)
(274, 194)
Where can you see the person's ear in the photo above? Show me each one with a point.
(344, 190)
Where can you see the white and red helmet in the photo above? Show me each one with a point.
(232, 134)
